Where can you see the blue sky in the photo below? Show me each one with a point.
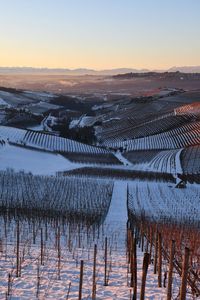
(99, 33)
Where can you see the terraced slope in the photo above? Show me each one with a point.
(130, 123)
(129, 129)
(186, 135)
(46, 141)
(190, 159)
(58, 144)
(192, 109)
(176, 129)
(88, 158)
(12, 134)
(139, 157)
(166, 161)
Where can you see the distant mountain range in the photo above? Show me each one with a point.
(29, 70)
(111, 72)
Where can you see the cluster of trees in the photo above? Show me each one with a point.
(83, 134)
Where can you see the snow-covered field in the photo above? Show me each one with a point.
(47, 142)
(50, 250)
(3, 103)
(160, 201)
(64, 245)
(14, 99)
(85, 198)
(29, 160)
(54, 279)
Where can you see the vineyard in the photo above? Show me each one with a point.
(190, 158)
(131, 130)
(155, 202)
(167, 161)
(122, 174)
(116, 219)
(45, 141)
(12, 134)
(57, 195)
(192, 109)
(162, 223)
(52, 255)
(128, 127)
(139, 157)
(180, 137)
(106, 158)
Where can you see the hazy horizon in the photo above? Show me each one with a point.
(96, 69)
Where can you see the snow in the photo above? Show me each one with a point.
(39, 95)
(165, 161)
(156, 201)
(12, 134)
(114, 228)
(36, 162)
(44, 141)
(117, 214)
(15, 98)
(3, 102)
(73, 123)
(87, 121)
(83, 121)
(41, 107)
(38, 127)
(176, 138)
(179, 169)
(121, 158)
(2, 116)
(53, 286)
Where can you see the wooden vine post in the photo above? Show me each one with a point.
(94, 274)
(134, 268)
(131, 262)
(159, 260)
(151, 244)
(41, 246)
(184, 274)
(170, 273)
(18, 262)
(59, 253)
(144, 275)
(9, 284)
(81, 281)
(156, 252)
(105, 258)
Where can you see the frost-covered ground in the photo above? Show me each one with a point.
(54, 286)
(3, 103)
(162, 201)
(50, 281)
(24, 98)
(165, 161)
(36, 162)
(76, 245)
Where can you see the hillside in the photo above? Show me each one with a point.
(93, 183)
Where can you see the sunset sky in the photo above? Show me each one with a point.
(100, 34)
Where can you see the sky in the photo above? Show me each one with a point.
(100, 34)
